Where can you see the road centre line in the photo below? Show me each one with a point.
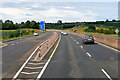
(41, 73)
(106, 74)
(13, 44)
(89, 54)
(81, 46)
(77, 42)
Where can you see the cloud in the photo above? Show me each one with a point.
(68, 7)
(35, 5)
(51, 12)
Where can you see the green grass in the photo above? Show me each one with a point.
(0, 44)
(81, 30)
(16, 37)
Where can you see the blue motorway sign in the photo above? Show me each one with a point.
(20, 31)
(42, 25)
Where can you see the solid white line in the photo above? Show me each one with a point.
(81, 47)
(24, 64)
(89, 54)
(39, 76)
(106, 74)
(33, 67)
(108, 46)
(36, 63)
(30, 73)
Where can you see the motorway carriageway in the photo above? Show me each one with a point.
(73, 59)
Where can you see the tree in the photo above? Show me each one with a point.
(1, 22)
(59, 21)
(27, 24)
(91, 27)
(32, 24)
(107, 20)
(8, 25)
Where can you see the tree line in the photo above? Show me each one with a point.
(9, 25)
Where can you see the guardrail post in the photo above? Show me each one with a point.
(47, 44)
(39, 51)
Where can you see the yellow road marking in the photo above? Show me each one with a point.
(55, 48)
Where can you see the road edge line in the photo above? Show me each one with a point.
(106, 74)
(107, 46)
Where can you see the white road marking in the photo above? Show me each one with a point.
(77, 42)
(33, 67)
(36, 63)
(107, 46)
(17, 42)
(89, 54)
(19, 71)
(81, 47)
(24, 64)
(13, 44)
(106, 74)
(74, 40)
(40, 74)
(30, 73)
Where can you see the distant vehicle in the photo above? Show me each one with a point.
(61, 32)
(35, 34)
(65, 33)
(88, 39)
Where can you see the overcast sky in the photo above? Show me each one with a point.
(67, 11)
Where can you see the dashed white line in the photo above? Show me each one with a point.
(74, 40)
(106, 74)
(81, 46)
(13, 44)
(77, 42)
(33, 67)
(30, 73)
(89, 54)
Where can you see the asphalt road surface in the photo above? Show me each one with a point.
(17, 51)
(73, 59)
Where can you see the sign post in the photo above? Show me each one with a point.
(42, 25)
(20, 33)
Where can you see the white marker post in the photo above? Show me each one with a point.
(117, 31)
